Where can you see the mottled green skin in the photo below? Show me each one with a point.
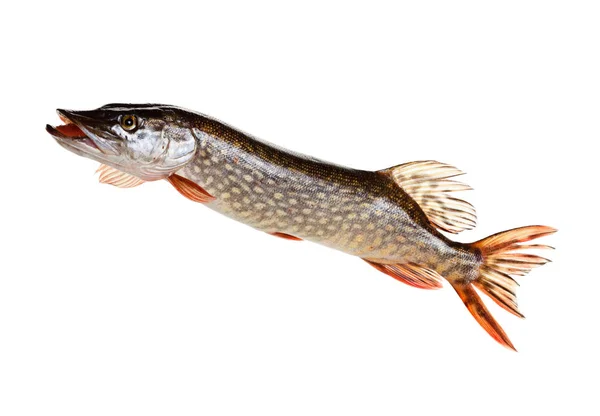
(362, 213)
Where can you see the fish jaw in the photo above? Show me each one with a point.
(81, 136)
(79, 144)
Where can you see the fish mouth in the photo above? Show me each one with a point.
(80, 137)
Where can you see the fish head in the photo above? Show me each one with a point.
(148, 141)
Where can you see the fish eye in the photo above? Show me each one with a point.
(129, 122)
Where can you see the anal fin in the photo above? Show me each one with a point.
(412, 274)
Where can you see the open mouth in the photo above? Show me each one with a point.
(70, 132)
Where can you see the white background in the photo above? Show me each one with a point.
(140, 302)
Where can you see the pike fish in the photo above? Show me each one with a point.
(391, 218)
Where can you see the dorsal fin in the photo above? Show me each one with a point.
(117, 178)
(427, 183)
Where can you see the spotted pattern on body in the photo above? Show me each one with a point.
(358, 212)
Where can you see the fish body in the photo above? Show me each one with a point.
(390, 218)
(362, 213)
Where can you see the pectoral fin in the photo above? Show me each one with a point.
(117, 178)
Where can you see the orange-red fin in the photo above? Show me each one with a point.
(502, 257)
(481, 314)
(286, 236)
(117, 178)
(501, 288)
(189, 189)
(411, 274)
(510, 240)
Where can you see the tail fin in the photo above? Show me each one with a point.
(501, 258)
